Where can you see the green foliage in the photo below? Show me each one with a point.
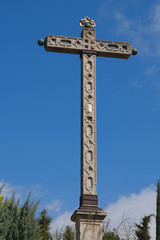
(110, 236)
(28, 224)
(68, 233)
(44, 225)
(16, 222)
(57, 235)
(158, 212)
(9, 219)
(143, 230)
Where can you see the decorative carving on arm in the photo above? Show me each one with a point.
(113, 49)
(73, 45)
(64, 44)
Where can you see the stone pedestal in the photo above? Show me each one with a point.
(88, 223)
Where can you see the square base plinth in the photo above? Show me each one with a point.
(88, 224)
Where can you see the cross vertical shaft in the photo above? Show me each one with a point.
(88, 121)
(88, 217)
(88, 125)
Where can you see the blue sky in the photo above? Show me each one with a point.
(40, 100)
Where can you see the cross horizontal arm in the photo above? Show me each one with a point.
(101, 48)
(113, 49)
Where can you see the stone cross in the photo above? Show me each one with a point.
(88, 216)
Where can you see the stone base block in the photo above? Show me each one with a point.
(89, 202)
(88, 224)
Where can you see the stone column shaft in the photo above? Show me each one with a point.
(88, 217)
(88, 125)
(88, 121)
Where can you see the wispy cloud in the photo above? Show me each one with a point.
(150, 71)
(54, 206)
(149, 78)
(9, 189)
(62, 221)
(141, 31)
(21, 192)
(156, 18)
(136, 84)
(125, 23)
(153, 78)
(105, 9)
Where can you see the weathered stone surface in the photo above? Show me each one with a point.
(74, 45)
(88, 118)
(88, 217)
(88, 224)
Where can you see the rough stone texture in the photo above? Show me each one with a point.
(88, 217)
(74, 45)
(88, 201)
(88, 224)
(88, 117)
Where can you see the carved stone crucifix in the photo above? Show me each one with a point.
(88, 48)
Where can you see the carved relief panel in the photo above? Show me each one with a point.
(74, 45)
(88, 147)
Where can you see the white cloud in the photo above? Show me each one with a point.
(150, 71)
(62, 221)
(136, 84)
(8, 190)
(142, 32)
(21, 192)
(124, 22)
(134, 207)
(54, 206)
(149, 79)
(156, 19)
(105, 9)
(153, 78)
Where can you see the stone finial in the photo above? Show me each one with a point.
(87, 22)
(40, 42)
(134, 51)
